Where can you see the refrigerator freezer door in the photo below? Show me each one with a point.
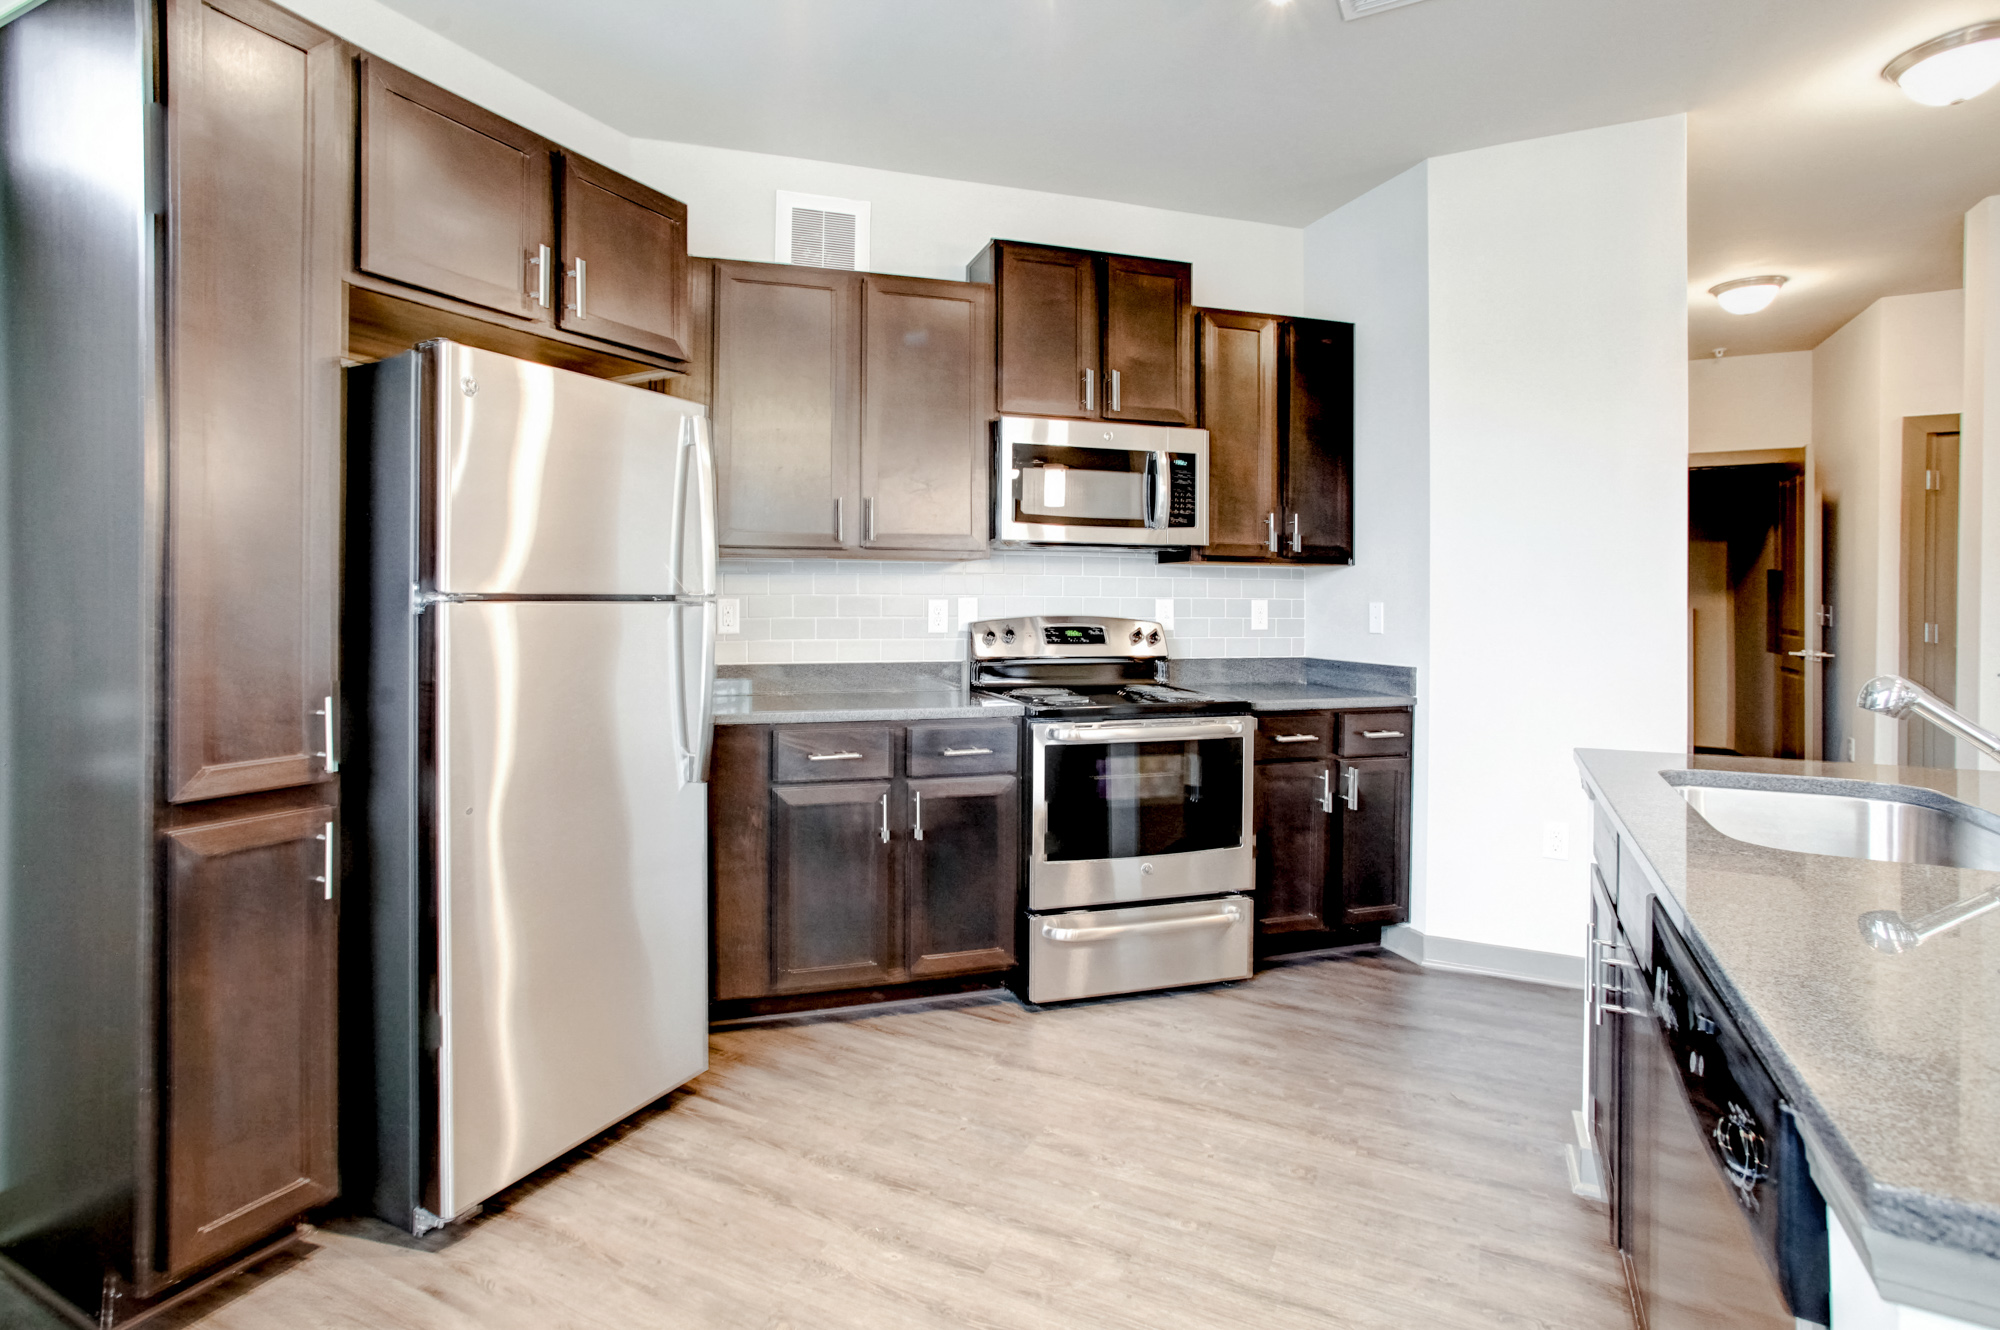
(552, 483)
(572, 887)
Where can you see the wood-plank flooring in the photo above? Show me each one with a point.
(1345, 1143)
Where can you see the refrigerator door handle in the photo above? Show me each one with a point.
(677, 719)
(704, 685)
(704, 474)
(677, 510)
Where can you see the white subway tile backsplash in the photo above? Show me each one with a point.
(811, 610)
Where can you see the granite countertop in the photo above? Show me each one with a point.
(1891, 1061)
(1301, 696)
(762, 707)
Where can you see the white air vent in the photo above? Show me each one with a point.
(821, 232)
(1353, 9)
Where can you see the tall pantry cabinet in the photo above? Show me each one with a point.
(175, 229)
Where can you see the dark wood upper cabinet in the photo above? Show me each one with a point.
(1149, 350)
(454, 199)
(1372, 798)
(835, 921)
(249, 1046)
(927, 404)
(624, 260)
(962, 876)
(786, 406)
(1319, 440)
(258, 134)
(1239, 409)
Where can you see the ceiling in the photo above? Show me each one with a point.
(1802, 160)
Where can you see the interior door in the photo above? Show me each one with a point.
(1786, 606)
(249, 984)
(1048, 331)
(1239, 409)
(1930, 577)
(927, 410)
(454, 199)
(1149, 341)
(1319, 441)
(624, 260)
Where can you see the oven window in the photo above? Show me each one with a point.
(1118, 801)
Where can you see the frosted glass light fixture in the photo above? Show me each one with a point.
(1747, 295)
(1947, 70)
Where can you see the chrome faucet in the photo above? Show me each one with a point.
(1895, 696)
(1886, 930)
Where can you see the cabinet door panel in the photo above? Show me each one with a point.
(927, 407)
(1239, 409)
(453, 198)
(249, 1030)
(833, 918)
(1319, 441)
(1294, 834)
(256, 326)
(963, 881)
(786, 410)
(632, 244)
(1049, 331)
(1148, 341)
(1374, 840)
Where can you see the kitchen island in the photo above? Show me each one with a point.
(1890, 1062)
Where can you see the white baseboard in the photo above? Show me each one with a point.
(1450, 953)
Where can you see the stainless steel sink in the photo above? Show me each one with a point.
(1846, 825)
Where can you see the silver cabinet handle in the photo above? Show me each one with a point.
(1325, 791)
(1271, 532)
(1381, 734)
(326, 862)
(328, 756)
(1090, 390)
(540, 264)
(885, 819)
(1350, 789)
(966, 752)
(577, 273)
(1224, 918)
(1297, 546)
(868, 518)
(1114, 390)
(1293, 738)
(839, 524)
(1811, 655)
(831, 757)
(918, 797)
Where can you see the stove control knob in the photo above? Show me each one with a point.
(1138, 634)
(988, 638)
(1007, 636)
(1153, 638)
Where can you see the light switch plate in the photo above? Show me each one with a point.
(1374, 616)
(968, 610)
(940, 616)
(729, 610)
(1260, 616)
(1163, 610)
(1555, 840)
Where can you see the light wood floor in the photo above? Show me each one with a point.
(1337, 1143)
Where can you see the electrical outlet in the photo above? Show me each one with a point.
(1555, 840)
(1260, 616)
(730, 614)
(968, 610)
(1374, 616)
(940, 618)
(1163, 610)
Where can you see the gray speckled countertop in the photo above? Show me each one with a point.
(766, 708)
(1301, 696)
(1892, 1061)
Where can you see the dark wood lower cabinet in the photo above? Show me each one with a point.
(962, 876)
(1373, 801)
(1294, 840)
(833, 894)
(249, 978)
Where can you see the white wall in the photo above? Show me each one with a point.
(1559, 406)
(922, 226)
(1746, 403)
(1979, 470)
(1902, 356)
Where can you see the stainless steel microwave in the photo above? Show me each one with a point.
(1087, 482)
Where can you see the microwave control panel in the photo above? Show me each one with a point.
(1180, 490)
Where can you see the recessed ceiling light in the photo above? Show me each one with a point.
(1747, 295)
(1947, 70)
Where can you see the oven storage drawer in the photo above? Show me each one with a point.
(963, 748)
(1374, 733)
(1091, 953)
(833, 752)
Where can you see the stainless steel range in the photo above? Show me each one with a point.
(1137, 811)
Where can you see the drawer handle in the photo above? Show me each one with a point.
(1381, 734)
(967, 752)
(831, 757)
(1225, 918)
(1294, 738)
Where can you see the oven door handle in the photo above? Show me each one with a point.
(1229, 916)
(1163, 731)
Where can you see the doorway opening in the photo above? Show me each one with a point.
(1930, 577)
(1747, 603)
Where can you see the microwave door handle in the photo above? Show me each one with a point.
(1156, 490)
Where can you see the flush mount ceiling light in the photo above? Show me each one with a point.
(1747, 295)
(1947, 70)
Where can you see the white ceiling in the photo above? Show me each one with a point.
(1802, 161)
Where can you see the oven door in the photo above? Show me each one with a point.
(1139, 810)
(1075, 483)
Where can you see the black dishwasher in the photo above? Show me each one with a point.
(1748, 1135)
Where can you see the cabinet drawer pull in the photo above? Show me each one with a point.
(326, 866)
(831, 757)
(540, 264)
(1271, 532)
(917, 830)
(868, 519)
(1298, 547)
(1293, 738)
(1089, 390)
(885, 819)
(1350, 794)
(329, 758)
(1381, 734)
(577, 273)
(966, 752)
(1325, 791)
(1114, 392)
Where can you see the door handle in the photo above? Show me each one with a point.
(868, 518)
(540, 263)
(1271, 532)
(1811, 655)
(1297, 546)
(1114, 390)
(1325, 791)
(1053, 933)
(577, 273)
(326, 861)
(885, 819)
(839, 524)
(329, 756)
(831, 757)
(1089, 390)
(917, 797)
(1350, 789)
(966, 752)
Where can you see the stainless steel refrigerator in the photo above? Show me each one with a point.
(531, 619)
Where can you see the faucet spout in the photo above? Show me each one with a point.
(1893, 695)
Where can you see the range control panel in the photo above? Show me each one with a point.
(1040, 637)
